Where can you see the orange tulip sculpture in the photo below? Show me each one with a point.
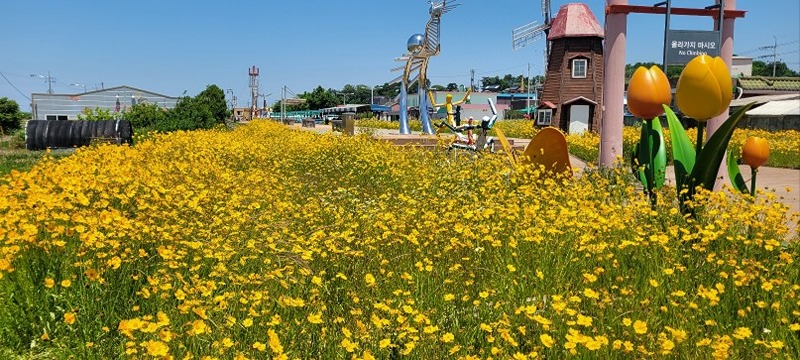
(648, 92)
(704, 91)
(755, 153)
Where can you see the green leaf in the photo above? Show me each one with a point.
(636, 167)
(710, 158)
(683, 153)
(644, 150)
(736, 176)
(660, 153)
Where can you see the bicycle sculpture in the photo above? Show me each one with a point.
(465, 139)
(420, 49)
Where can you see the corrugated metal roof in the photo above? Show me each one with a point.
(769, 83)
(763, 99)
(777, 108)
(575, 20)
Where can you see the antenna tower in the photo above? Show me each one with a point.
(253, 72)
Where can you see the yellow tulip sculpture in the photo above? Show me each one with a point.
(704, 91)
(648, 91)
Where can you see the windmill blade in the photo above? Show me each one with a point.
(527, 34)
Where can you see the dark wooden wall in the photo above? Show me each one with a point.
(559, 86)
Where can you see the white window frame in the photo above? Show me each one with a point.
(56, 117)
(544, 117)
(585, 63)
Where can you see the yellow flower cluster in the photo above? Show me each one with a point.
(784, 145)
(266, 242)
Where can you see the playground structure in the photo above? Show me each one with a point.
(420, 49)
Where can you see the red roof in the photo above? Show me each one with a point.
(575, 20)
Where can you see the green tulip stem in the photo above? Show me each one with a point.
(753, 172)
(701, 125)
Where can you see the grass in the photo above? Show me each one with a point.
(24, 160)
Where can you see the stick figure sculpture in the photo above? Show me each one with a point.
(420, 49)
(448, 105)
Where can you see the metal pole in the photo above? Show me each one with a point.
(774, 56)
(528, 91)
(49, 83)
(666, 34)
(283, 102)
(721, 20)
(404, 128)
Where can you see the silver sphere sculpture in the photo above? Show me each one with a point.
(415, 43)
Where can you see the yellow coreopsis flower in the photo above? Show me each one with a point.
(546, 340)
(640, 327)
(447, 337)
(704, 89)
(157, 348)
(69, 318)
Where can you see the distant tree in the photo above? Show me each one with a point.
(362, 95)
(389, 90)
(189, 114)
(96, 114)
(673, 71)
(438, 88)
(146, 115)
(319, 98)
(452, 87)
(10, 116)
(214, 99)
(761, 68)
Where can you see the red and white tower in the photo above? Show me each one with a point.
(253, 72)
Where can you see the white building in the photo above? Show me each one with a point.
(115, 99)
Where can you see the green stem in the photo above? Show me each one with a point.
(753, 172)
(701, 125)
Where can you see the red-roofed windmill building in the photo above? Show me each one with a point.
(573, 87)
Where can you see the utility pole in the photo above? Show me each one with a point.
(233, 109)
(50, 80)
(528, 95)
(253, 72)
(283, 102)
(472, 79)
(774, 55)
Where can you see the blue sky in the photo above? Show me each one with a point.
(175, 46)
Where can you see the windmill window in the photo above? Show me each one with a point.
(579, 68)
(544, 117)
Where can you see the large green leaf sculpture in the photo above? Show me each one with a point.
(651, 155)
(683, 154)
(692, 170)
(737, 180)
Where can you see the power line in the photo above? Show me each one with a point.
(12, 85)
(768, 47)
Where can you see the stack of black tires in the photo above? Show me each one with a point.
(43, 134)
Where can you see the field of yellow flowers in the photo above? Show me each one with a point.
(784, 145)
(263, 242)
